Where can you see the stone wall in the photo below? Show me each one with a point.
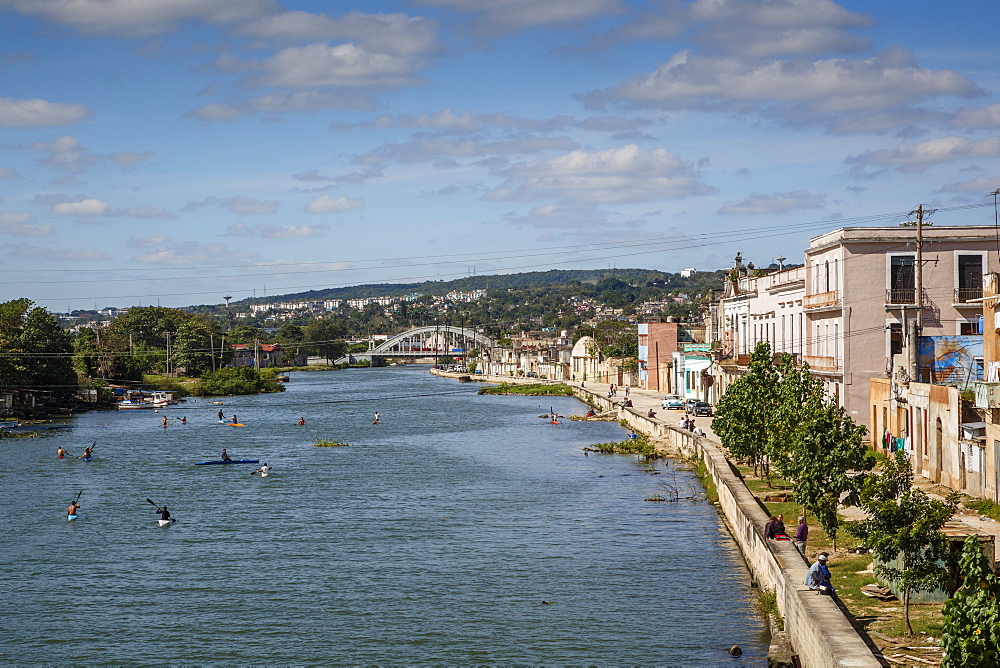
(820, 633)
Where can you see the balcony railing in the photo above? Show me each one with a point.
(819, 363)
(901, 296)
(964, 295)
(822, 300)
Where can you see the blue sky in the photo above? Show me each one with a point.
(174, 151)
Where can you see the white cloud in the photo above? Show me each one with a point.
(276, 231)
(84, 207)
(976, 186)
(818, 90)
(53, 254)
(749, 29)
(131, 158)
(429, 149)
(145, 211)
(626, 174)
(241, 205)
(504, 16)
(978, 117)
(19, 224)
(912, 158)
(774, 203)
(396, 34)
(147, 242)
(184, 253)
(39, 113)
(327, 204)
(284, 102)
(137, 18)
(320, 64)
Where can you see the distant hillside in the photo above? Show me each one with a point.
(531, 279)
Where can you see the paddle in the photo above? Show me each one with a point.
(153, 503)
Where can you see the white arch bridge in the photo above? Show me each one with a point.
(423, 342)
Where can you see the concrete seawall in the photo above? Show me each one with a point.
(817, 628)
(820, 633)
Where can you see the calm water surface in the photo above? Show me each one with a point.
(434, 538)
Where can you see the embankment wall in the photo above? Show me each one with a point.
(818, 629)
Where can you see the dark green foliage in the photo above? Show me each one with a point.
(744, 414)
(540, 389)
(904, 522)
(37, 353)
(630, 446)
(240, 380)
(971, 635)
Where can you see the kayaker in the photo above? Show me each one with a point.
(164, 420)
(87, 453)
(184, 420)
(222, 416)
(302, 420)
(72, 510)
(375, 421)
(61, 453)
(264, 470)
(234, 420)
(225, 456)
(164, 513)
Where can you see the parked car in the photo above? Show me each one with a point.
(702, 408)
(672, 402)
(531, 374)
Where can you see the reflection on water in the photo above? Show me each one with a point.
(461, 529)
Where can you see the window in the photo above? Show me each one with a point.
(970, 278)
(902, 280)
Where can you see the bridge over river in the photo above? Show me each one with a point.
(425, 342)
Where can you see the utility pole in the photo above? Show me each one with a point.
(920, 267)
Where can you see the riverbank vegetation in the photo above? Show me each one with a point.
(640, 445)
(238, 380)
(330, 444)
(533, 389)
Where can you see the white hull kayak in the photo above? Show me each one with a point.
(164, 523)
(70, 518)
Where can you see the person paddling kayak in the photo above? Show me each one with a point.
(88, 453)
(61, 453)
(264, 470)
(222, 416)
(71, 512)
(163, 513)
(225, 456)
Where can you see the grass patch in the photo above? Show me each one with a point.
(767, 606)
(330, 444)
(639, 445)
(534, 389)
(984, 507)
(711, 491)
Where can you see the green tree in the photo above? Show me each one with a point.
(971, 635)
(193, 346)
(36, 352)
(324, 337)
(290, 337)
(816, 445)
(743, 416)
(903, 531)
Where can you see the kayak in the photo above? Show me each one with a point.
(70, 518)
(230, 461)
(235, 424)
(165, 523)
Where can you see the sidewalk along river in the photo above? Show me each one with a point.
(460, 529)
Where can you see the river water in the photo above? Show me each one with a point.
(462, 529)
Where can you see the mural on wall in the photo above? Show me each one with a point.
(950, 360)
